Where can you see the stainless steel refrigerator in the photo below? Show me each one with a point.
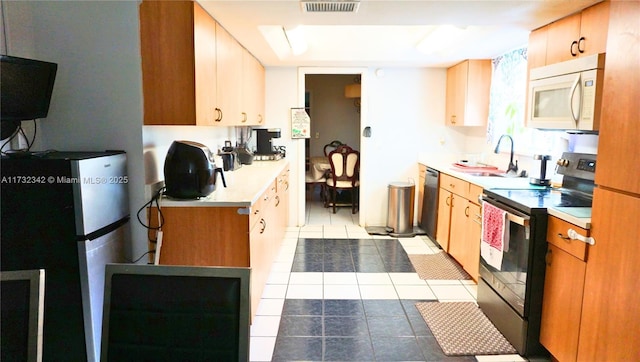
(67, 213)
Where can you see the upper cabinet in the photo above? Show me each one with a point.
(577, 35)
(178, 63)
(468, 86)
(229, 86)
(618, 146)
(253, 90)
(192, 69)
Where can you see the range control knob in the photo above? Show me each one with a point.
(562, 162)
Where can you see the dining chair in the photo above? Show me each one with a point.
(331, 146)
(344, 175)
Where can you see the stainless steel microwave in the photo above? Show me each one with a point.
(567, 95)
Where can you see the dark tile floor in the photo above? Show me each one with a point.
(351, 255)
(355, 330)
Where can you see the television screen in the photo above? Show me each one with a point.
(26, 88)
(22, 315)
(175, 313)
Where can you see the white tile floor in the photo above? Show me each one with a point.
(322, 223)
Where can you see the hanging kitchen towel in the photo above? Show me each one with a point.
(494, 234)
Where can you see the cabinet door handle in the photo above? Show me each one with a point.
(278, 200)
(448, 201)
(219, 118)
(466, 211)
(581, 44)
(259, 118)
(453, 119)
(264, 226)
(563, 237)
(244, 117)
(574, 44)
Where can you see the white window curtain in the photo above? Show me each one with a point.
(508, 92)
(508, 105)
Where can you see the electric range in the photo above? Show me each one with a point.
(511, 280)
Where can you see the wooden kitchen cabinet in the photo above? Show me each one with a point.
(444, 218)
(458, 228)
(610, 320)
(468, 87)
(229, 236)
(618, 146)
(474, 232)
(177, 40)
(194, 72)
(229, 85)
(459, 225)
(253, 90)
(577, 35)
(563, 290)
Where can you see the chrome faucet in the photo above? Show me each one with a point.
(511, 169)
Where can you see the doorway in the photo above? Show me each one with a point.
(333, 117)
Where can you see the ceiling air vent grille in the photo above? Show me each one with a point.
(328, 6)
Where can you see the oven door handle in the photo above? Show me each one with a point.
(512, 215)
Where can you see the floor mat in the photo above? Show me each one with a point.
(462, 329)
(437, 266)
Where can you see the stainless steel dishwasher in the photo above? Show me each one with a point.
(430, 203)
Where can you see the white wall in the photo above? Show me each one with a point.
(97, 98)
(406, 115)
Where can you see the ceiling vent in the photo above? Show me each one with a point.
(330, 6)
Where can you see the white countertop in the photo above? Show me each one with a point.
(576, 217)
(244, 186)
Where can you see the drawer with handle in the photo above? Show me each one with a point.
(455, 185)
(567, 237)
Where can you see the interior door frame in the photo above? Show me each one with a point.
(362, 71)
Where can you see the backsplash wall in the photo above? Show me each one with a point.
(156, 141)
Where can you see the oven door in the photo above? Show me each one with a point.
(508, 276)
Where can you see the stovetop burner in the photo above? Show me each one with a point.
(545, 198)
(578, 170)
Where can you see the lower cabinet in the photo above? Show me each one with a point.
(444, 218)
(459, 222)
(563, 290)
(223, 236)
(458, 228)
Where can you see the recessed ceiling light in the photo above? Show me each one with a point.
(441, 38)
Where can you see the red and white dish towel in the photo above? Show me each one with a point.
(495, 235)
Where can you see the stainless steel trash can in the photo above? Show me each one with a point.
(400, 213)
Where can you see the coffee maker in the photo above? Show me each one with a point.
(243, 135)
(264, 140)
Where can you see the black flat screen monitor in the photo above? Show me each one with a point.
(22, 315)
(26, 88)
(175, 313)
